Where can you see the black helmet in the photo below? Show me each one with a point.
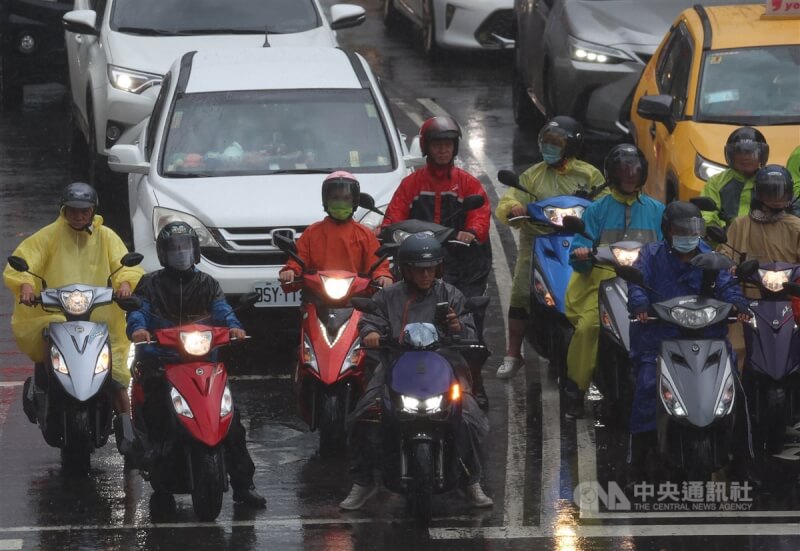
(340, 180)
(439, 128)
(682, 218)
(746, 140)
(772, 183)
(178, 246)
(79, 195)
(629, 158)
(565, 132)
(421, 250)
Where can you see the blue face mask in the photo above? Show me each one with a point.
(551, 153)
(685, 244)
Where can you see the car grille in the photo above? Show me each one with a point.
(249, 246)
(500, 23)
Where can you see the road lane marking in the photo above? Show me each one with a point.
(11, 384)
(415, 117)
(10, 545)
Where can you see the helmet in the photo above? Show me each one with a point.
(746, 140)
(628, 158)
(340, 180)
(682, 218)
(178, 246)
(439, 128)
(565, 132)
(79, 195)
(421, 250)
(773, 183)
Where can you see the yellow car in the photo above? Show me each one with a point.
(718, 68)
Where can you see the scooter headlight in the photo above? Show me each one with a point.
(773, 280)
(196, 343)
(556, 215)
(725, 399)
(57, 360)
(625, 257)
(180, 405)
(76, 302)
(336, 288)
(428, 405)
(693, 318)
(226, 404)
(670, 399)
(309, 357)
(103, 360)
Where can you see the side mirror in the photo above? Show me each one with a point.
(127, 158)
(472, 202)
(508, 178)
(129, 304)
(630, 274)
(81, 22)
(658, 109)
(344, 16)
(792, 289)
(717, 234)
(573, 224)
(476, 304)
(704, 203)
(287, 246)
(248, 300)
(18, 263)
(131, 259)
(366, 201)
(365, 305)
(747, 269)
(712, 261)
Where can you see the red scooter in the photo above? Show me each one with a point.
(329, 374)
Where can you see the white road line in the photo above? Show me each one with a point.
(587, 457)
(9, 384)
(415, 117)
(10, 545)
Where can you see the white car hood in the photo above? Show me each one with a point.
(155, 54)
(286, 200)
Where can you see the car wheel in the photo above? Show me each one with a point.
(12, 90)
(390, 16)
(428, 32)
(526, 115)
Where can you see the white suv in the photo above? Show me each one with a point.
(119, 50)
(238, 145)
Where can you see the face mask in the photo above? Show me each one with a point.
(180, 260)
(685, 244)
(340, 210)
(551, 153)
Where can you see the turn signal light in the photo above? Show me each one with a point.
(455, 392)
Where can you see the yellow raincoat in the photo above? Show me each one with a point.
(63, 256)
(542, 181)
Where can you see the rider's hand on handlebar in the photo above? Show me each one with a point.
(372, 340)
(237, 333)
(642, 317)
(124, 290)
(140, 335)
(26, 294)
(582, 253)
(384, 281)
(286, 276)
(453, 322)
(518, 210)
(466, 237)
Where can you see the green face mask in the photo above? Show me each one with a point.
(340, 210)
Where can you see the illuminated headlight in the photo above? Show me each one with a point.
(162, 217)
(670, 399)
(134, 82)
(26, 44)
(76, 302)
(180, 405)
(705, 169)
(725, 400)
(429, 405)
(556, 215)
(196, 343)
(226, 404)
(309, 357)
(774, 280)
(372, 219)
(103, 359)
(58, 361)
(693, 318)
(336, 288)
(353, 356)
(595, 53)
(625, 257)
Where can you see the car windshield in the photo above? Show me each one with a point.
(212, 16)
(751, 86)
(268, 132)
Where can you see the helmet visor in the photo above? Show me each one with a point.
(629, 171)
(553, 135)
(179, 252)
(340, 189)
(688, 227)
(744, 150)
(773, 188)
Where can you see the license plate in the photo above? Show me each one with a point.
(270, 295)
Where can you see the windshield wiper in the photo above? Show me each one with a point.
(226, 31)
(146, 31)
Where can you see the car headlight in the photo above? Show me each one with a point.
(556, 215)
(226, 403)
(131, 81)
(372, 219)
(76, 302)
(670, 399)
(693, 318)
(309, 357)
(725, 400)
(196, 343)
(336, 288)
(103, 359)
(57, 360)
(773, 280)
(180, 405)
(353, 356)
(595, 53)
(705, 169)
(162, 217)
(625, 257)
(429, 405)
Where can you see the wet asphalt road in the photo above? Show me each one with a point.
(535, 459)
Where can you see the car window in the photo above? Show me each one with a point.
(674, 68)
(263, 132)
(751, 86)
(155, 117)
(213, 16)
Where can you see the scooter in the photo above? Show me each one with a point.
(182, 409)
(422, 411)
(71, 397)
(329, 374)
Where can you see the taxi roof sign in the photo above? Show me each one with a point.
(782, 8)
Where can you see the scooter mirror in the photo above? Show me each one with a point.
(19, 264)
(573, 224)
(472, 202)
(704, 203)
(792, 289)
(366, 201)
(717, 234)
(284, 243)
(510, 179)
(129, 304)
(248, 300)
(365, 305)
(712, 261)
(475, 304)
(630, 274)
(132, 259)
(747, 269)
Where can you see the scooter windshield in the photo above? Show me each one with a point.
(420, 335)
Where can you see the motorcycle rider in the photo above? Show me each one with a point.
(414, 299)
(626, 214)
(76, 248)
(179, 294)
(434, 194)
(338, 242)
(560, 173)
(667, 273)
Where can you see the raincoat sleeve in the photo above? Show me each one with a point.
(221, 312)
(638, 299)
(512, 198)
(303, 244)
(34, 250)
(592, 224)
(139, 319)
(711, 189)
(729, 291)
(457, 301)
(116, 250)
(477, 221)
(400, 205)
(370, 323)
(529, 180)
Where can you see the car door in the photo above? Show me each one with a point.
(79, 54)
(531, 20)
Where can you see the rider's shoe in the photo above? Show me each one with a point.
(249, 497)
(358, 496)
(509, 367)
(475, 496)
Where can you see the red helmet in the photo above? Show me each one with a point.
(439, 128)
(340, 180)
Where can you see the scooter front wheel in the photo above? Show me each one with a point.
(208, 483)
(331, 426)
(421, 487)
